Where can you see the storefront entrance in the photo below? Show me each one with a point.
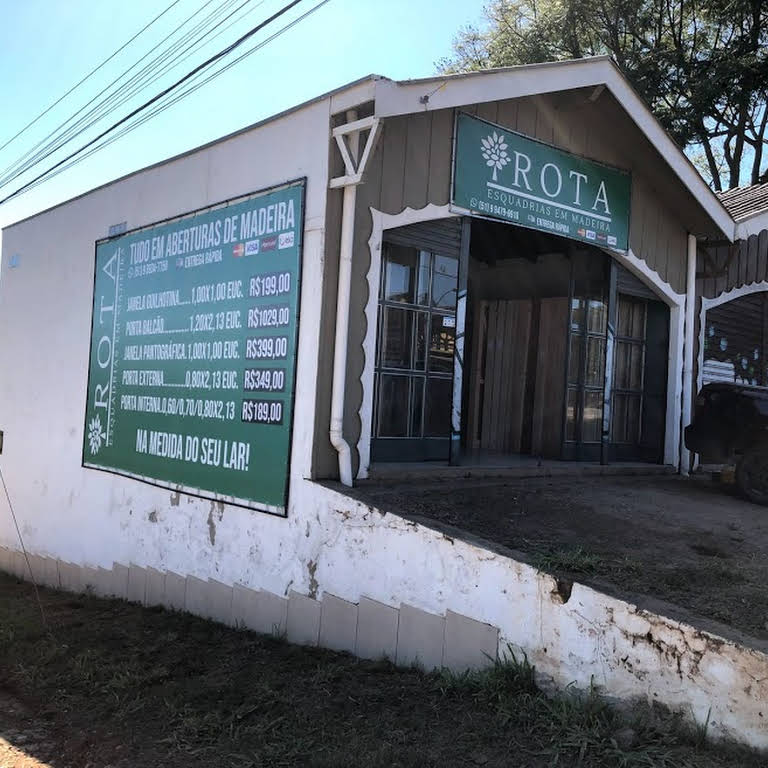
(415, 349)
(564, 356)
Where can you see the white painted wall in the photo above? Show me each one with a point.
(91, 517)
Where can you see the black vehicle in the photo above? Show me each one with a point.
(730, 426)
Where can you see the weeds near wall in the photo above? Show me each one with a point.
(118, 685)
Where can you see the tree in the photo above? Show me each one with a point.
(701, 65)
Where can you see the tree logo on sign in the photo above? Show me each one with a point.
(495, 152)
(95, 434)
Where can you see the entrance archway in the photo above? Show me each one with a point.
(658, 290)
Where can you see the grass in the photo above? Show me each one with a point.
(119, 685)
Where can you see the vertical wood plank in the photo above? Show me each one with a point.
(762, 256)
(490, 362)
(488, 110)
(550, 379)
(501, 400)
(393, 168)
(637, 212)
(499, 388)
(441, 138)
(476, 386)
(649, 224)
(732, 278)
(751, 260)
(545, 128)
(417, 162)
(507, 115)
(526, 117)
(517, 372)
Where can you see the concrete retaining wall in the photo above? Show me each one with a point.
(368, 629)
(345, 575)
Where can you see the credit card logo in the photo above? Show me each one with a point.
(285, 240)
(251, 247)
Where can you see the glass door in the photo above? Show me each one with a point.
(629, 364)
(415, 355)
(586, 378)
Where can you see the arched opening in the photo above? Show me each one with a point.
(496, 341)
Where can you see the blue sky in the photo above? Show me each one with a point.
(46, 46)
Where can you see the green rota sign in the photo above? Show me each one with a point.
(503, 175)
(193, 351)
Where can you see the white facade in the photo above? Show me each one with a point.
(92, 517)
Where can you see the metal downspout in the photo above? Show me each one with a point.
(342, 321)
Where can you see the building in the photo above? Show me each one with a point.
(731, 284)
(464, 269)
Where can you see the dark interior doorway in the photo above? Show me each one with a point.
(566, 352)
(556, 352)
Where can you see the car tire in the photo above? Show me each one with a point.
(752, 475)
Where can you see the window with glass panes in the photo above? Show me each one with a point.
(586, 370)
(414, 358)
(628, 367)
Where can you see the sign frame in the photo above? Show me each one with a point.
(462, 210)
(196, 492)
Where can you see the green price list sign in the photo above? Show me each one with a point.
(500, 174)
(193, 351)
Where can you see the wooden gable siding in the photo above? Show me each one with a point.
(412, 168)
(725, 267)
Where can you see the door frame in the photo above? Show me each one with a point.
(639, 268)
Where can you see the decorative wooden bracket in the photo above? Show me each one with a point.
(354, 168)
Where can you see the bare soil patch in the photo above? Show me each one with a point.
(691, 542)
(113, 685)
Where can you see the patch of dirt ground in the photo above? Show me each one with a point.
(690, 542)
(109, 684)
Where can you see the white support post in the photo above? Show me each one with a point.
(690, 306)
(348, 141)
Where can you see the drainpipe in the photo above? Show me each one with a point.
(690, 305)
(342, 320)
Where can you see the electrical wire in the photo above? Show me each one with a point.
(90, 74)
(165, 105)
(199, 68)
(52, 137)
(124, 93)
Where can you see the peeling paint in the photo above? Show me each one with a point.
(313, 585)
(211, 527)
(152, 517)
(175, 499)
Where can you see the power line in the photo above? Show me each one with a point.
(163, 106)
(18, 167)
(199, 68)
(91, 73)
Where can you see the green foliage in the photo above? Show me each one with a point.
(701, 66)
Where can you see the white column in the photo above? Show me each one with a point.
(690, 306)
